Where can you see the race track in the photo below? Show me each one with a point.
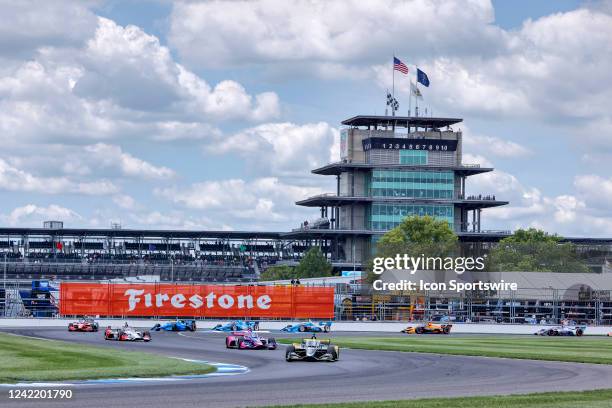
(360, 375)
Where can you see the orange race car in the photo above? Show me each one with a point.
(429, 328)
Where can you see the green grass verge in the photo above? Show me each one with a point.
(28, 359)
(586, 399)
(573, 349)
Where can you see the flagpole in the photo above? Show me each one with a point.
(416, 99)
(393, 75)
(409, 99)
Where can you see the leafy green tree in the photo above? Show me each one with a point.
(313, 265)
(533, 250)
(277, 272)
(416, 236)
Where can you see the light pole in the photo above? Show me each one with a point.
(4, 280)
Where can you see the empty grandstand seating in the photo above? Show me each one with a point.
(71, 271)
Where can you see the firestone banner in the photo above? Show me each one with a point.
(120, 299)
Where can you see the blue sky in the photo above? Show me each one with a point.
(210, 115)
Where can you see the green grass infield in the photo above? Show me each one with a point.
(571, 349)
(28, 359)
(585, 399)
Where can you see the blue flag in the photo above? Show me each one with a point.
(422, 77)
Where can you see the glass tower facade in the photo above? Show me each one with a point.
(386, 216)
(412, 183)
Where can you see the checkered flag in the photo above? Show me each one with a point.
(392, 102)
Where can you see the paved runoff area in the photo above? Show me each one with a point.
(360, 375)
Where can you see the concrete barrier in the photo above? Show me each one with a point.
(371, 327)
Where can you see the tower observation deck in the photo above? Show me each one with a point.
(392, 167)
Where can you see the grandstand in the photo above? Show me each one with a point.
(212, 256)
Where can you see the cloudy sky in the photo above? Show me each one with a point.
(210, 115)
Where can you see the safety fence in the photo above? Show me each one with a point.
(529, 305)
(342, 302)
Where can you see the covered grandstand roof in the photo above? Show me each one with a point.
(400, 121)
(132, 233)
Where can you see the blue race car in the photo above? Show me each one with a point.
(179, 325)
(308, 327)
(237, 325)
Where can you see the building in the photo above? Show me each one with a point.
(392, 167)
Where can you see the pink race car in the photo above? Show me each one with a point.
(249, 340)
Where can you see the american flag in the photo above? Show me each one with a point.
(400, 66)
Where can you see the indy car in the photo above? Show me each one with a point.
(561, 331)
(126, 333)
(308, 327)
(249, 340)
(429, 328)
(237, 325)
(178, 325)
(84, 325)
(313, 350)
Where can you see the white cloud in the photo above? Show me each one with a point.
(492, 146)
(28, 25)
(34, 215)
(14, 179)
(272, 31)
(125, 201)
(113, 156)
(175, 220)
(553, 69)
(123, 82)
(263, 201)
(283, 149)
(595, 190)
(578, 213)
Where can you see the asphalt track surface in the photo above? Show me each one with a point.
(359, 375)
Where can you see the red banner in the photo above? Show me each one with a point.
(154, 299)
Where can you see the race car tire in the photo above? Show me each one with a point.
(302, 329)
(326, 329)
(234, 327)
(419, 330)
(241, 344)
(290, 349)
(446, 330)
(70, 327)
(579, 332)
(334, 351)
(551, 332)
(256, 326)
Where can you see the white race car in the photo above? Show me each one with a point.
(313, 350)
(126, 333)
(561, 331)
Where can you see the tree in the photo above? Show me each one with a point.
(534, 250)
(313, 265)
(416, 236)
(277, 272)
